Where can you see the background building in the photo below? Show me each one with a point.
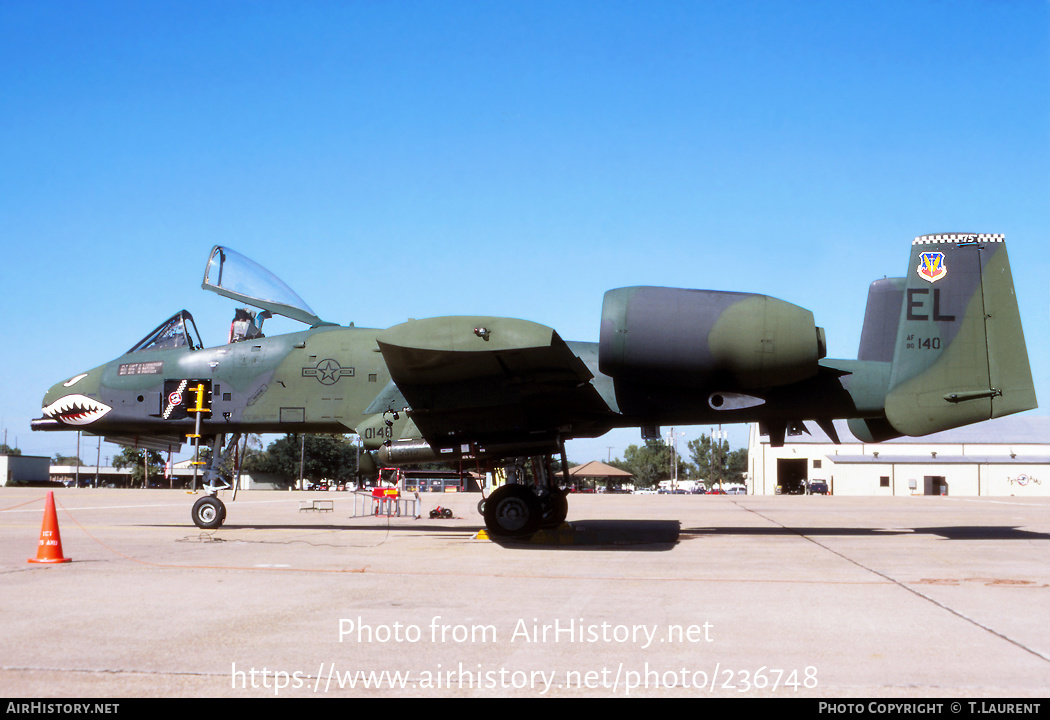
(597, 474)
(18, 469)
(1002, 457)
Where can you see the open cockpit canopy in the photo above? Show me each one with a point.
(235, 276)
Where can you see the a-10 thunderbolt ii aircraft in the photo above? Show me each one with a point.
(940, 347)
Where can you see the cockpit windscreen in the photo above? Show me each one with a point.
(177, 331)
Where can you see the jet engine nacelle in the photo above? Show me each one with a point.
(700, 338)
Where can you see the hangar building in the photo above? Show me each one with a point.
(1002, 457)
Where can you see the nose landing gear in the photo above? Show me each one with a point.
(209, 512)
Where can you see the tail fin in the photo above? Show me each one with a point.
(960, 354)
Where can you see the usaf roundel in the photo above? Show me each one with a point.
(931, 266)
(328, 372)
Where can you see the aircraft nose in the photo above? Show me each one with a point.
(74, 401)
(62, 388)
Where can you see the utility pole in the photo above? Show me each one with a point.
(717, 438)
(357, 462)
(674, 458)
(302, 456)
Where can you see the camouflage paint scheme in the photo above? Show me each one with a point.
(941, 347)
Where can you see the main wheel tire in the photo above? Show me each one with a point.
(209, 513)
(513, 511)
(555, 508)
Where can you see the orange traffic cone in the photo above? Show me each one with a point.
(50, 548)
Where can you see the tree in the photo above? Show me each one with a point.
(6, 449)
(737, 465)
(60, 459)
(713, 461)
(251, 447)
(650, 463)
(325, 457)
(133, 458)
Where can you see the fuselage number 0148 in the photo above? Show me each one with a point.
(380, 432)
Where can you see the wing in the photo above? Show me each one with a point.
(487, 380)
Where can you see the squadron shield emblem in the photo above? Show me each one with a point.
(931, 266)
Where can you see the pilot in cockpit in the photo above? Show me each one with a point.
(243, 326)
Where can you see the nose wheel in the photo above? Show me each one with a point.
(209, 513)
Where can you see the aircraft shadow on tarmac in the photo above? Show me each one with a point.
(658, 535)
(949, 532)
(647, 535)
(635, 535)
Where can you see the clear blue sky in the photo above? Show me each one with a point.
(407, 159)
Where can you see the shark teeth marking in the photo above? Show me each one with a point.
(76, 410)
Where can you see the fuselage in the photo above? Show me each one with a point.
(334, 379)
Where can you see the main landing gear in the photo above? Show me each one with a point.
(527, 504)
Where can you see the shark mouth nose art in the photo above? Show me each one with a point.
(76, 410)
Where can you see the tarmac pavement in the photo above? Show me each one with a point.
(638, 596)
